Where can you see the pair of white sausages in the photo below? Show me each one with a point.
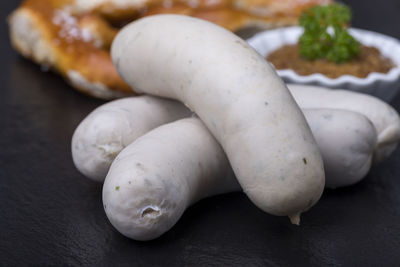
(110, 128)
(346, 140)
(248, 127)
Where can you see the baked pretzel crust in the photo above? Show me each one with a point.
(73, 37)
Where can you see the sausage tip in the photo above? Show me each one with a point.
(295, 219)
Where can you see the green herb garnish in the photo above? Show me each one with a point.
(325, 34)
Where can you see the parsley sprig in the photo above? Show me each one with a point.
(325, 34)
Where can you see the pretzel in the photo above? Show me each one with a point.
(73, 37)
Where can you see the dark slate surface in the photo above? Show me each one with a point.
(52, 215)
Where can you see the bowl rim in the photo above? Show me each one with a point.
(360, 35)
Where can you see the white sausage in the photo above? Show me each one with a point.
(237, 95)
(154, 179)
(111, 127)
(385, 119)
(347, 141)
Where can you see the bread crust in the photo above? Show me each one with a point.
(73, 37)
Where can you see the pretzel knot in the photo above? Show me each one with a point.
(73, 37)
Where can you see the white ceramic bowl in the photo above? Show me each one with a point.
(384, 86)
